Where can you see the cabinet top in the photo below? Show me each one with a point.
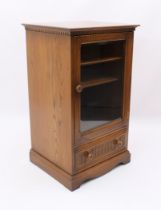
(80, 28)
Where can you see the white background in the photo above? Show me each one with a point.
(134, 186)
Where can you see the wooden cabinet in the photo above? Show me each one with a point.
(79, 92)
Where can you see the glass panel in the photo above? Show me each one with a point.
(102, 66)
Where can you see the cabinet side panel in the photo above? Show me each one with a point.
(49, 77)
(128, 74)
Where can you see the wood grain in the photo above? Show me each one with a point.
(103, 60)
(81, 28)
(72, 182)
(54, 66)
(91, 135)
(49, 66)
(106, 148)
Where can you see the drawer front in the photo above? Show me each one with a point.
(105, 149)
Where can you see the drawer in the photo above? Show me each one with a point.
(102, 150)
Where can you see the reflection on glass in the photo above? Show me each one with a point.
(102, 78)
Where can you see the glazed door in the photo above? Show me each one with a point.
(101, 84)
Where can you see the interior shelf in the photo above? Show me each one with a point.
(101, 60)
(99, 81)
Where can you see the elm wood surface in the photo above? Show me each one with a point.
(108, 146)
(49, 64)
(94, 82)
(102, 60)
(54, 66)
(128, 38)
(80, 28)
(74, 181)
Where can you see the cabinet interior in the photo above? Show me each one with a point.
(102, 73)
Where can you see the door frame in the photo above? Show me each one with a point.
(76, 42)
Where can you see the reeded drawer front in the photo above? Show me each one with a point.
(100, 151)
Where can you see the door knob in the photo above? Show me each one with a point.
(79, 88)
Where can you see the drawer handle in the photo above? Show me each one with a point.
(79, 88)
(88, 155)
(118, 142)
